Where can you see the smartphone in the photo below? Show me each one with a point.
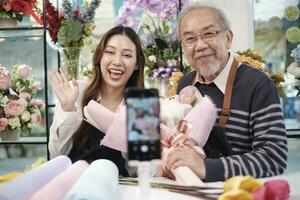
(143, 131)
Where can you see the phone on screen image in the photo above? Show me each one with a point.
(143, 131)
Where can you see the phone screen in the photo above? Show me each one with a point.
(143, 131)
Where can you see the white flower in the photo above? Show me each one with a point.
(23, 102)
(25, 116)
(152, 58)
(171, 110)
(14, 122)
(294, 69)
(4, 101)
(172, 62)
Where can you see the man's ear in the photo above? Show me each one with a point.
(229, 36)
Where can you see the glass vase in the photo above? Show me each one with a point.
(71, 62)
(10, 134)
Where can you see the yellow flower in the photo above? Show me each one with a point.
(174, 80)
(38, 162)
(236, 195)
(9, 176)
(246, 183)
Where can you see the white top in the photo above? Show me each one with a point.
(221, 79)
(64, 125)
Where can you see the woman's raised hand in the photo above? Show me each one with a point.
(66, 92)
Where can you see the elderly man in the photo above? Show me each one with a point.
(248, 104)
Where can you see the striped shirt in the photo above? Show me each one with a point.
(255, 128)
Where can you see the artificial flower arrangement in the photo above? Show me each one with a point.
(70, 27)
(18, 107)
(155, 22)
(254, 59)
(16, 9)
(294, 67)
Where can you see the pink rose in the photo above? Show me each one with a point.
(35, 118)
(3, 123)
(37, 102)
(5, 81)
(6, 5)
(14, 108)
(24, 95)
(24, 71)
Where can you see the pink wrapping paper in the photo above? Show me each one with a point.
(98, 115)
(57, 188)
(200, 120)
(116, 136)
(22, 187)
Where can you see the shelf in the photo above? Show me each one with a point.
(21, 33)
(27, 140)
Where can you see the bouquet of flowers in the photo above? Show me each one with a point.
(294, 68)
(70, 27)
(254, 59)
(186, 120)
(16, 9)
(18, 107)
(155, 21)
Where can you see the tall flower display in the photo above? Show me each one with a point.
(155, 21)
(69, 29)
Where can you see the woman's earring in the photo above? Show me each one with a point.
(136, 68)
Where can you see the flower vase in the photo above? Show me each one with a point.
(8, 23)
(10, 134)
(70, 62)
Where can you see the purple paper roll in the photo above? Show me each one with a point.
(61, 183)
(22, 187)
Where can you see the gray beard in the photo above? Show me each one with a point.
(207, 72)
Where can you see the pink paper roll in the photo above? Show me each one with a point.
(22, 187)
(57, 188)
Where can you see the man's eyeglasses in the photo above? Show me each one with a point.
(205, 36)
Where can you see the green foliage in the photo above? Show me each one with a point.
(70, 34)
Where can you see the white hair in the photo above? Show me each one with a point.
(203, 5)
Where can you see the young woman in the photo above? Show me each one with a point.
(118, 63)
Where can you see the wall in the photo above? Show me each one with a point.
(240, 15)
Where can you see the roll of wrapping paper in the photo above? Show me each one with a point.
(61, 183)
(22, 187)
(99, 181)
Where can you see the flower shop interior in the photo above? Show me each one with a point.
(33, 44)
